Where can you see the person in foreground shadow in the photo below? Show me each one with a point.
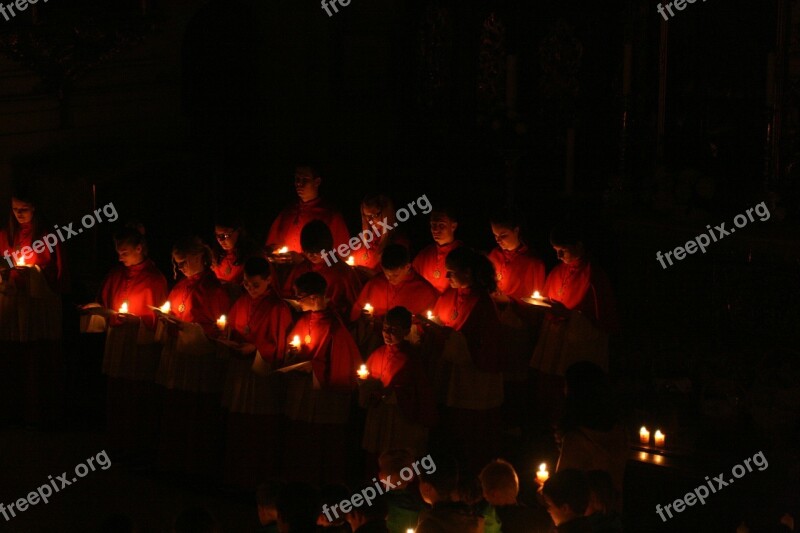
(445, 515)
(369, 518)
(566, 495)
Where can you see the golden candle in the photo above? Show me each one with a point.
(295, 342)
(368, 308)
(123, 308)
(660, 438)
(542, 474)
(644, 435)
(222, 322)
(166, 307)
(363, 373)
(351, 261)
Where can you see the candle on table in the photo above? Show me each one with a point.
(222, 322)
(123, 308)
(644, 435)
(542, 474)
(363, 373)
(166, 307)
(660, 438)
(351, 261)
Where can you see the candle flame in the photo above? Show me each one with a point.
(222, 321)
(368, 308)
(543, 467)
(21, 261)
(430, 315)
(363, 373)
(351, 261)
(166, 307)
(295, 341)
(283, 250)
(124, 307)
(536, 295)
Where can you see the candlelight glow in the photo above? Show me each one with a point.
(368, 308)
(363, 373)
(295, 342)
(351, 261)
(283, 250)
(222, 322)
(660, 438)
(166, 307)
(21, 261)
(644, 435)
(430, 315)
(124, 307)
(542, 474)
(536, 295)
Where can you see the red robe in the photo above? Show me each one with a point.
(519, 272)
(227, 271)
(430, 261)
(285, 231)
(333, 353)
(413, 293)
(139, 285)
(52, 265)
(371, 258)
(344, 284)
(474, 314)
(584, 287)
(201, 299)
(263, 322)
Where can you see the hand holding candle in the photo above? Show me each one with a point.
(123, 309)
(351, 261)
(644, 435)
(363, 373)
(536, 295)
(283, 250)
(542, 474)
(21, 261)
(368, 309)
(166, 307)
(295, 342)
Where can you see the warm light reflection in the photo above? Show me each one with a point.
(222, 322)
(542, 474)
(295, 342)
(166, 307)
(283, 250)
(123, 308)
(363, 373)
(351, 261)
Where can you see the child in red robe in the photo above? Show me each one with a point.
(131, 354)
(429, 262)
(189, 368)
(259, 322)
(285, 230)
(377, 211)
(397, 285)
(231, 250)
(319, 393)
(30, 316)
(577, 327)
(401, 406)
(519, 274)
(474, 358)
(342, 281)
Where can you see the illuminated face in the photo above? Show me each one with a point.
(398, 275)
(255, 285)
(189, 265)
(459, 279)
(371, 215)
(443, 229)
(23, 211)
(226, 237)
(569, 253)
(507, 238)
(130, 255)
(306, 185)
(308, 302)
(394, 334)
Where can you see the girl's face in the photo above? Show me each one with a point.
(568, 253)
(226, 237)
(459, 279)
(23, 211)
(189, 265)
(130, 255)
(256, 285)
(507, 238)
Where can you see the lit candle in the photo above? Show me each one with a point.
(21, 262)
(166, 307)
(368, 308)
(283, 250)
(123, 308)
(644, 435)
(351, 261)
(409, 530)
(536, 295)
(295, 342)
(363, 373)
(542, 474)
(430, 315)
(660, 438)
(222, 322)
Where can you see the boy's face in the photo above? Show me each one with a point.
(255, 285)
(443, 229)
(305, 184)
(393, 335)
(397, 275)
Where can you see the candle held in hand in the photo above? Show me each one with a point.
(363, 373)
(644, 435)
(222, 322)
(123, 308)
(166, 307)
(21, 262)
(295, 342)
(351, 261)
(368, 308)
(536, 295)
(430, 315)
(283, 250)
(542, 474)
